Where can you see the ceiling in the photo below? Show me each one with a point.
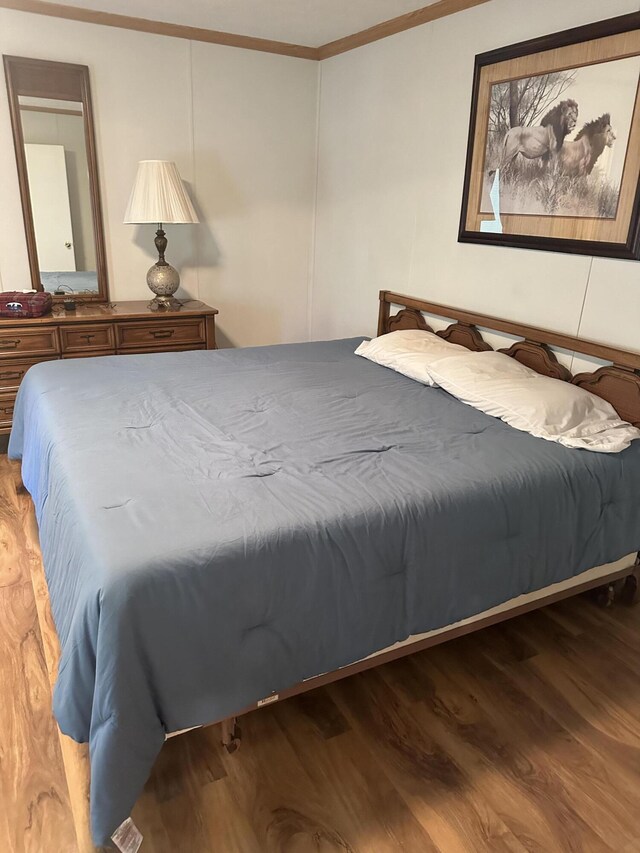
(307, 22)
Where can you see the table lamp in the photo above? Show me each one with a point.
(159, 197)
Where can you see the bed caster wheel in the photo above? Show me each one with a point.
(233, 743)
(630, 592)
(231, 735)
(605, 595)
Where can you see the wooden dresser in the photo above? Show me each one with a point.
(93, 330)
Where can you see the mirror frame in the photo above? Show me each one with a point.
(63, 81)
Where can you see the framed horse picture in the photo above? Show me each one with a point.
(553, 160)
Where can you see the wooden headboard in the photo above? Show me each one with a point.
(618, 382)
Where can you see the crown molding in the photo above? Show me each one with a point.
(162, 28)
(440, 9)
(396, 25)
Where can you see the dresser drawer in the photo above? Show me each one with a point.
(6, 409)
(81, 339)
(20, 341)
(160, 335)
(12, 372)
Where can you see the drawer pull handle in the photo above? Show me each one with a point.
(87, 338)
(7, 410)
(162, 333)
(10, 344)
(10, 374)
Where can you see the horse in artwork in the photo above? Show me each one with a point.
(578, 158)
(543, 140)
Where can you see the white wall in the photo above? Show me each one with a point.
(240, 125)
(255, 168)
(394, 118)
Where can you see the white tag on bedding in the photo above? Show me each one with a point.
(127, 837)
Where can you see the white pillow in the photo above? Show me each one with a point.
(408, 351)
(548, 408)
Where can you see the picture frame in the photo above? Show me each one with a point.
(553, 154)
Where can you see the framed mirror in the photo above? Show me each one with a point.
(54, 139)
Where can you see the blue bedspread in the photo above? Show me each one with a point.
(216, 526)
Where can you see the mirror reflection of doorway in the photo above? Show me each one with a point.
(49, 192)
(56, 159)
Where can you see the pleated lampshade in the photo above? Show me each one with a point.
(158, 196)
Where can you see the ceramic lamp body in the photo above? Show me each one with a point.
(163, 281)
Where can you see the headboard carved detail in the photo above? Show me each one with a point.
(538, 357)
(619, 386)
(465, 335)
(407, 319)
(618, 383)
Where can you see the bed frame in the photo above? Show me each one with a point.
(617, 382)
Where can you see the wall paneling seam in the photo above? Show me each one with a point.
(311, 281)
(194, 176)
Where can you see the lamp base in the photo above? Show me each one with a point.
(164, 303)
(163, 280)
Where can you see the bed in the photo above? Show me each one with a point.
(221, 530)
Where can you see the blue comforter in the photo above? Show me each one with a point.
(216, 526)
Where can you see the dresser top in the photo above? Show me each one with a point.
(101, 312)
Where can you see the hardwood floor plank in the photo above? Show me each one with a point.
(569, 779)
(558, 614)
(318, 706)
(32, 779)
(589, 723)
(5, 836)
(610, 671)
(229, 826)
(619, 625)
(616, 733)
(542, 633)
(541, 758)
(173, 814)
(272, 784)
(75, 756)
(354, 785)
(462, 729)
(431, 783)
(191, 759)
